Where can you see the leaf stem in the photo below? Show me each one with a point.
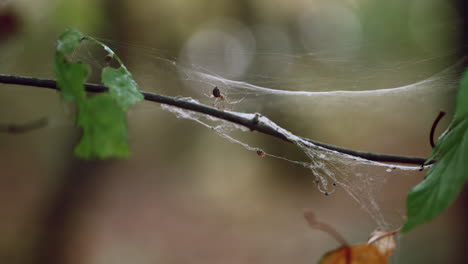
(315, 224)
(434, 126)
(252, 124)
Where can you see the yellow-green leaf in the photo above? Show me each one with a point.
(121, 86)
(68, 41)
(104, 129)
(70, 78)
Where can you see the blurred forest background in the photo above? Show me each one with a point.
(186, 195)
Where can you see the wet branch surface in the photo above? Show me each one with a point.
(252, 123)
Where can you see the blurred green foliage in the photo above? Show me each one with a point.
(104, 127)
(85, 15)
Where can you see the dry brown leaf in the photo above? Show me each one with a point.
(377, 250)
(358, 254)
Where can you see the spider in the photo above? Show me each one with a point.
(220, 98)
(260, 153)
(217, 93)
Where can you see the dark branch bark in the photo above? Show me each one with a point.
(252, 124)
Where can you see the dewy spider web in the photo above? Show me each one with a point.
(361, 179)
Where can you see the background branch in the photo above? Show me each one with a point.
(252, 124)
(23, 128)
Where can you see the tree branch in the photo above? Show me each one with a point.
(252, 124)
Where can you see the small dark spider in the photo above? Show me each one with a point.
(260, 153)
(217, 93)
(220, 98)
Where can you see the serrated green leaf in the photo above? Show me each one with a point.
(102, 117)
(446, 177)
(68, 41)
(104, 129)
(70, 78)
(121, 86)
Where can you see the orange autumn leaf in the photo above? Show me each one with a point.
(358, 254)
(377, 250)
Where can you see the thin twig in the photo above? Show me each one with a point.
(23, 128)
(315, 224)
(434, 126)
(252, 124)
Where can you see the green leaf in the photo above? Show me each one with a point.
(70, 78)
(461, 106)
(121, 86)
(104, 129)
(68, 41)
(101, 117)
(447, 176)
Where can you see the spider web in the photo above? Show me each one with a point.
(314, 100)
